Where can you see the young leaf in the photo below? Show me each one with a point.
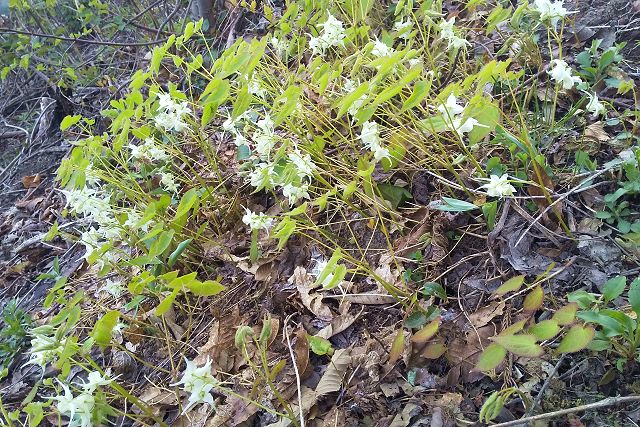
(103, 328)
(186, 203)
(397, 348)
(319, 345)
(545, 330)
(167, 302)
(426, 333)
(433, 350)
(177, 252)
(161, 243)
(634, 295)
(522, 345)
(510, 285)
(576, 339)
(206, 288)
(491, 357)
(534, 299)
(614, 287)
(566, 315)
(454, 205)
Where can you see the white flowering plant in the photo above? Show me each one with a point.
(325, 129)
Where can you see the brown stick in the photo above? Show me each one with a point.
(71, 39)
(610, 401)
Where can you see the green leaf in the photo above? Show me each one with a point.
(394, 194)
(545, 330)
(416, 320)
(454, 205)
(319, 345)
(566, 315)
(167, 302)
(614, 287)
(161, 243)
(576, 339)
(338, 275)
(634, 295)
(69, 121)
(510, 285)
(434, 289)
(206, 288)
(420, 91)
(491, 357)
(177, 252)
(103, 328)
(522, 345)
(433, 350)
(186, 203)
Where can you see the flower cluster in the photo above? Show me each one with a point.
(370, 137)
(453, 115)
(561, 73)
(380, 49)
(149, 151)
(403, 28)
(551, 11)
(498, 186)
(80, 408)
(447, 33)
(198, 382)
(257, 221)
(171, 114)
(332, 35)
(45, 346)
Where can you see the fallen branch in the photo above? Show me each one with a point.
(71, 39)
(610, 401)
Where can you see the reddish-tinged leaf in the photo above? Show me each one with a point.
(566, 315)
(522, 345)
(510, 285)
(576, 339)
(397, 348)
(426, 333)
(491, 357)
(534, 299)
(545, 330)
(433, 350)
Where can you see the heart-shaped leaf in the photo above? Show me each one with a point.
(491, 357)
(566, 315)
(545, 330)
(576, 339)
(522, 345)
(534, 299)
(510, 285)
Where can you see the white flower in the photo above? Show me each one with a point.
(595, 106)
(332, 35)
(295, 193)
(554, 11)
(78, 408)
(303, 163)
(149, 151)
(257, 221)
(370, 137)
(464, 126)
(561, 73)
(447, 33)
(170, 114)
(94, 380)
(113, 288)
(262, 176)
(254, 88)
(348, 87)
(198, 382)
(498, 186)
(168, 182)
(91, 241)
(170, 121)
(280, 46)
(91, 176)
(45, 347)
(403, 28)
(380, 49)
(134, 221)
(451, 107)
